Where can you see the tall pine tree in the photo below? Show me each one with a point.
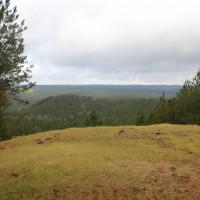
(15, 73)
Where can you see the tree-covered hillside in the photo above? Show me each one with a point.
(79, 111)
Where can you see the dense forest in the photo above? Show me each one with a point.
(78, 111)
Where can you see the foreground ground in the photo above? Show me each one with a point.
(152, 162)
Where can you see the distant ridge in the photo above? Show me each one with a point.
(103, 91)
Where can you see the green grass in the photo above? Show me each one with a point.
(101, 163)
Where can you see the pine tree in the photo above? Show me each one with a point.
(187, 106)
(15, 73)
(183, 109)
(140, 119)
(93, 120)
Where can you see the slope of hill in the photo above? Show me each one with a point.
(64, 111)
(129, 162)
(109, 110)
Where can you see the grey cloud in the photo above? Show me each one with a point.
(112, 41)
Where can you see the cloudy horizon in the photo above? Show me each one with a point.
(112, 41)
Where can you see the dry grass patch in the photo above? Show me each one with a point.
(147, 162)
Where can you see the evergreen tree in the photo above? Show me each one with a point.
(15, 73)
(187, 106)
(93, 120)
(140, 119)
(183, 109)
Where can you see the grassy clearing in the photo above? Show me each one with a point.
(147, 162)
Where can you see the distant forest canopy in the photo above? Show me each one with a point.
(65, 111)
(102, 91)
(113, 92)
(70, 110)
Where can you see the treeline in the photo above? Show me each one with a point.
(65, 111)
(183, 109)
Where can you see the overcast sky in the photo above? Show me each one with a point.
(112, 41)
